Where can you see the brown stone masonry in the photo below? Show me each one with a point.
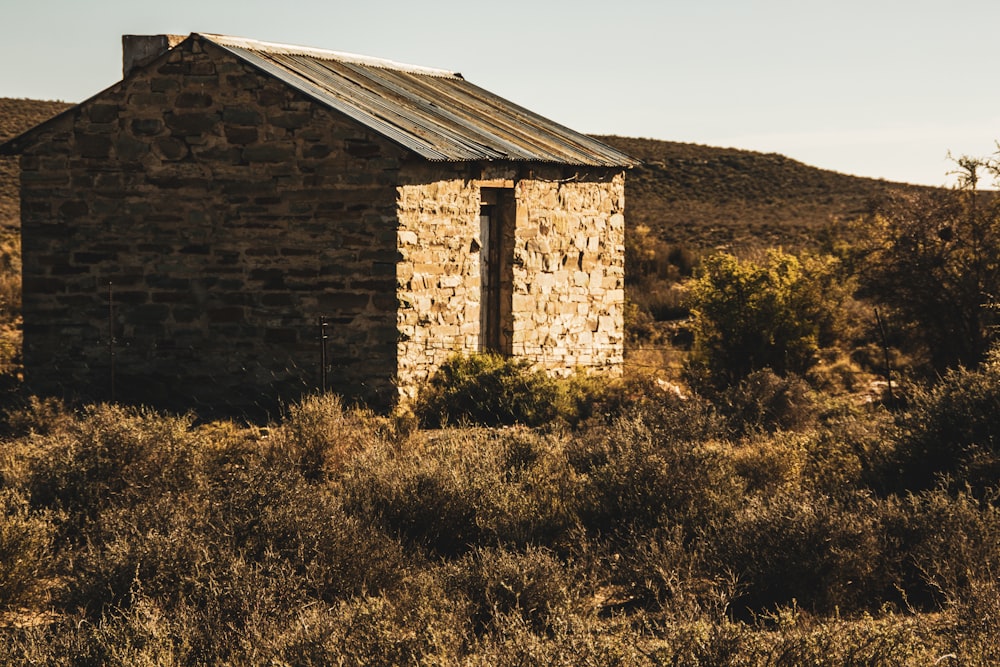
(227, 213)
(567, 294)
(185, 230)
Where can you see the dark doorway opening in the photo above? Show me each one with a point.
(496, 237)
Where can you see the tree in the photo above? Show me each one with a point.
(934, 259)
(775, 312)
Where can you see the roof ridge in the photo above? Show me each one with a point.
(324, 54)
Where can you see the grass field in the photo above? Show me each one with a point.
(665, 532)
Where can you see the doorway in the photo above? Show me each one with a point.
(496, 254)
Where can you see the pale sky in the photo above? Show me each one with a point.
(880, 88)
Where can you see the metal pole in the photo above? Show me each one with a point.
(111, 336)
(322, 353)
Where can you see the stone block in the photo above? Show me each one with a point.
(92, 145)
(281, 336)
(73, 209)
(146, 127)
(152, 101)
(129, 149)
(164, 85)
(241, 135)
(188, 124)
(102, 112)
(291, 120)
(343, 302)
(269, 152)
(241, 115)
(192, 100)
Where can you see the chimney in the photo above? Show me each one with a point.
(139, 50)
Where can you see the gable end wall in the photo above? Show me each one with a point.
(228, 213)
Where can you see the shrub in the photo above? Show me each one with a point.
(309, 530)
(466, 488)
(772, 313)
(951, 428)
(488, 389)
(933, 257)
(25, 550)
(636, 539)
(577, 641)
(319, 434)
(111, 456)
(417, 624)
(764, 401)
(648, 258)
(40, 416)
(846, 452)
(977, 611)
(659, 571)
(662, 405)
(795, 546)
(641, 473)
(944, 545)
(531, 584)
(794, 637)
(771, 463)
(239, 558)
(10, 305)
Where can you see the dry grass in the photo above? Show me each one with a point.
(334, 537)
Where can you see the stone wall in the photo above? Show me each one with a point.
(437, 277)
(569, 271)
(567, 296)
(228, 214)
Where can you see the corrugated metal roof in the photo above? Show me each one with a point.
(435, 113)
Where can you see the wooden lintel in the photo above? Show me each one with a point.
(495, 183)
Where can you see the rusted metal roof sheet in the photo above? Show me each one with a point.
(434, 113)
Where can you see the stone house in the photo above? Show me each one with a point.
(237, 222)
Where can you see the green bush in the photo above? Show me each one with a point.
(490, 390)
(772, 313)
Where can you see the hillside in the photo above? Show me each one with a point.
(16, 116)
(700, 196)
(707, 197)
